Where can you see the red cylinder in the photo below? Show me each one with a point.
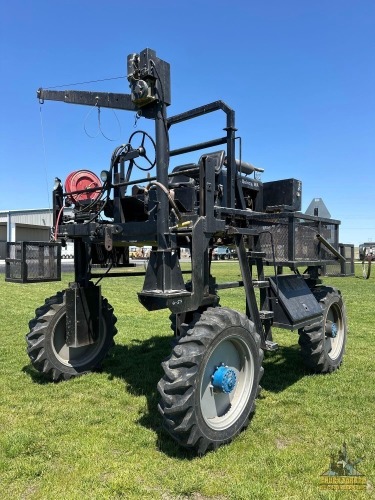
(80, 180)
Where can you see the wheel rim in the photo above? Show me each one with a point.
(335, 332)
(74, 356)
(221, 409)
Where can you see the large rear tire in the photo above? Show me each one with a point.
(211, 380)
(46, 341)
(323, 343)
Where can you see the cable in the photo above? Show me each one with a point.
(86, 208)
(171, 200)
(57, 222)
(102, 207)
(97, 213)
(123, 148)
(45, 156)
(105, 274)
(84, 124)
(100, 127)
(116, 153)
(82, 83)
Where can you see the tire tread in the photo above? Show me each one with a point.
(36, 338)
(179, 382)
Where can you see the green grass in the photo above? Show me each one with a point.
(100, 436)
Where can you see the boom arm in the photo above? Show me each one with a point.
(100, 99)
(149, 80)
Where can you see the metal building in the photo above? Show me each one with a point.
(24, 225)
(317, 207)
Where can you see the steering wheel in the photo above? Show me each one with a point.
(142, 150)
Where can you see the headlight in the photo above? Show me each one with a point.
(104, 175)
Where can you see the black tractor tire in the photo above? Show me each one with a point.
(187, 320)
(195, 414)
(46, 341)
(322, 348)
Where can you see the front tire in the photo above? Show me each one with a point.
(46, 341)
(323, 343)
(199, 412)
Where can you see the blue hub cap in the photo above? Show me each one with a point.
(224, 379)
(331, 329)
(334, 330)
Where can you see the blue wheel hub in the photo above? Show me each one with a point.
(331, 329)
(224, 379)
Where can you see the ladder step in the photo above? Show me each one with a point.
(271, 346)
(261, 284)
(266, 314)
(256, 255)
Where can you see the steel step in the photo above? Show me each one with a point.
(261, 283)
(271, 346)
(266, 314)
(256, 255)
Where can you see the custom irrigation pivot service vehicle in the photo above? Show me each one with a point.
(212, 376)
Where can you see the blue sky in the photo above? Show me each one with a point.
(300, 75)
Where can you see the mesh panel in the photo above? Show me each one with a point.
(14, 250)
(332, 270)
(347, 251)
(277, 235)
(345, 268)
(306, 244)
(14, 271)
(294, 238)
(40, 262)
(33, 261)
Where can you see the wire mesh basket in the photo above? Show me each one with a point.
(32, 262)
(342, 268)
(292, 238)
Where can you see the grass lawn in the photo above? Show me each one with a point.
(99, 436)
